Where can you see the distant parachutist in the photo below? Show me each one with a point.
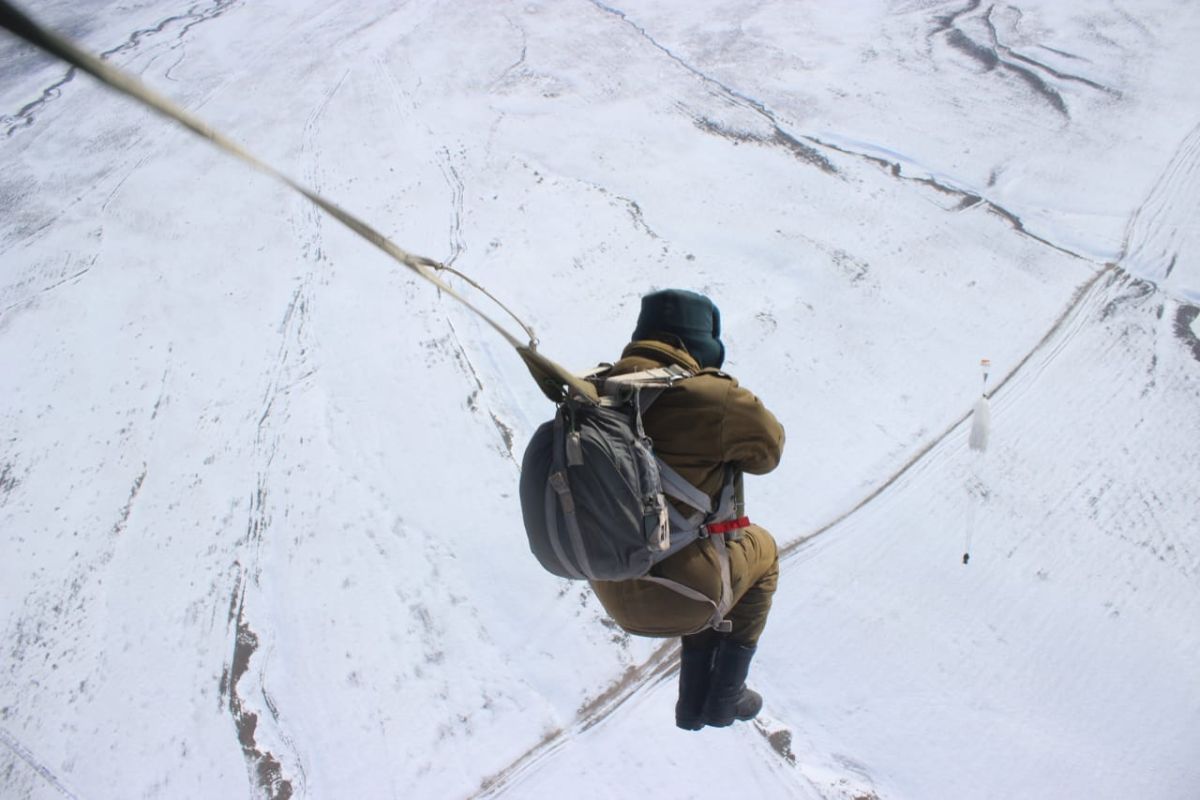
(981, 429)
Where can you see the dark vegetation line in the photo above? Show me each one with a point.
(779, 136)
(1185, 320)
(25, 117)
(23, 753)
(966, 199)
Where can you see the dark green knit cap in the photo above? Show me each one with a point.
(689, 316)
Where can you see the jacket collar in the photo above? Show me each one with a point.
(660, 352)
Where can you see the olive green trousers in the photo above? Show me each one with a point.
(649, 609)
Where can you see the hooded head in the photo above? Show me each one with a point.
(688, 316)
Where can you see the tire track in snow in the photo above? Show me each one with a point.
(661, 666)
(265, 768)
(458, 352)
(72, 278)
(776, 743)
(292, 368)
(628, 205)
(454, 181)
(1162, 241)
(514, 73)
(452, 168)
(38, 766)
(1121, 333)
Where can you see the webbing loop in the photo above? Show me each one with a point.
(722, 528)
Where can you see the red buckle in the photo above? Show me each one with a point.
(717, 528)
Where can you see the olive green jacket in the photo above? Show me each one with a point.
(698, 427)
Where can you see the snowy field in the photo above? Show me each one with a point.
(258, 510)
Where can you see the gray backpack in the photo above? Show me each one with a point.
(594, 495)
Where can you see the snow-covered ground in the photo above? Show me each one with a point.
(258, 483)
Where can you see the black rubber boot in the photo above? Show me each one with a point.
(728, 697)
(695, 666)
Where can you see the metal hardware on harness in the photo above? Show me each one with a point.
(574, 447)
(559, 482)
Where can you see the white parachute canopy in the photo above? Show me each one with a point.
(981, 417)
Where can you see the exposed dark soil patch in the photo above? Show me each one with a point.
(1185, 319)
(781, 743)
(778, 138)
(265, 767)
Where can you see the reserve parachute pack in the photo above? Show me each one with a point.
(594, 496)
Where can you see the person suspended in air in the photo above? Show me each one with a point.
(708, 428)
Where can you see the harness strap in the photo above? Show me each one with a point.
(717, 621)
(711, 521)
(722, 605)
(551, 501)
(686, 530)
(559, 486)
(681, 489)
(726, 602)
(662, 376)
(679, 522)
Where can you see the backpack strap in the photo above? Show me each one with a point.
(558, 487)
(726, 516)
(646, 386)
(681, 489)
(721, 606)
(714, 524)
(659, 376)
